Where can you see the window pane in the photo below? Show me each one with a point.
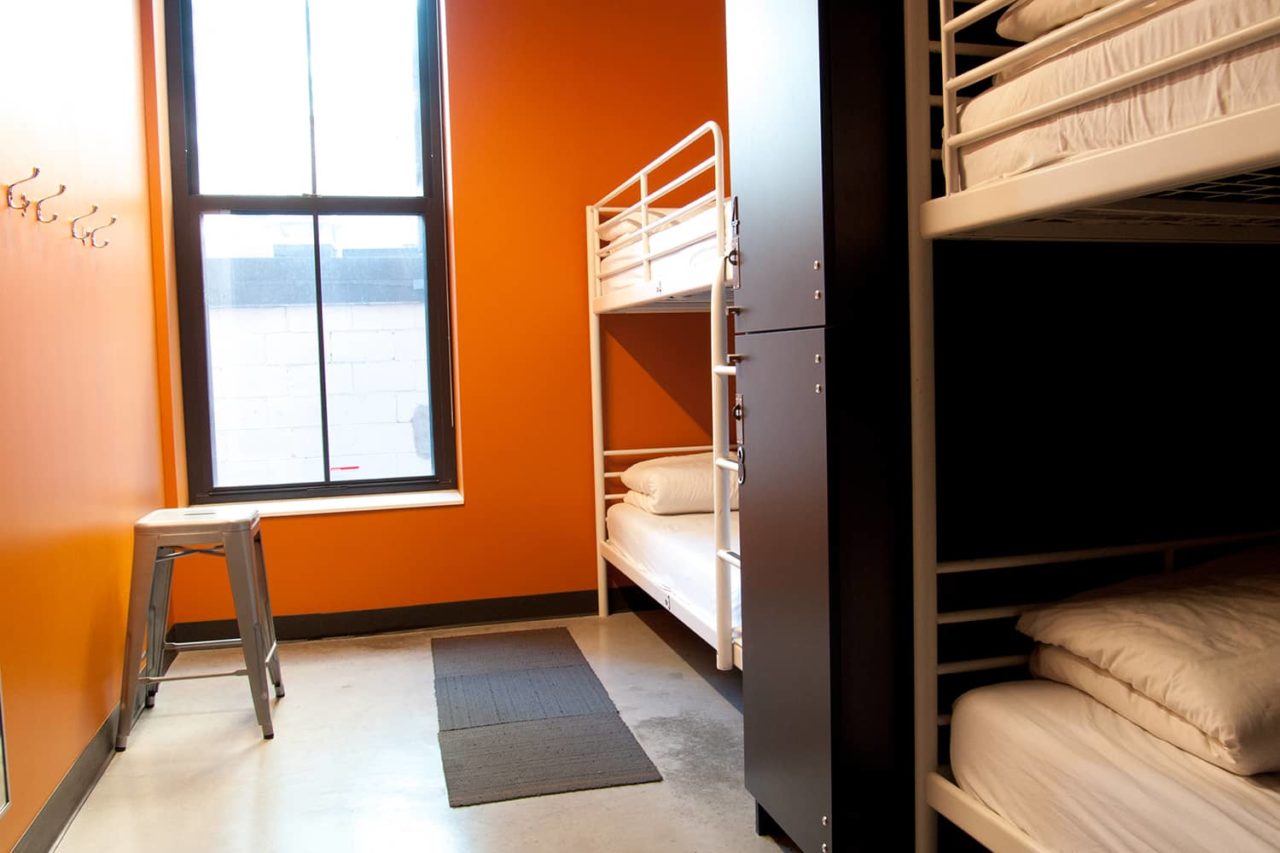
(264, 364)
(253, 124)
(373, 271)
(367, 103)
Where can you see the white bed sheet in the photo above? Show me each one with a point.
(695, 263)
(678, 552)
(1076, 776)
(1237, 82)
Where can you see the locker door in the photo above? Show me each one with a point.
(785, 584)
(775, 141)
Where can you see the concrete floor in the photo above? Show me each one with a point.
(355, 765)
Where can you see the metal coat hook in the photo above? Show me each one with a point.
(83, 235)
(93, 238)
(26, 202)
(40, 202)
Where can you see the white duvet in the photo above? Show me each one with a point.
(1202, 645)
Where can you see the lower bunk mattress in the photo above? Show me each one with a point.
(1076, 776)
(678, 553)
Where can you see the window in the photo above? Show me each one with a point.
(309, 227)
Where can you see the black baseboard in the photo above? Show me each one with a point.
(65, 801)
(313, 626)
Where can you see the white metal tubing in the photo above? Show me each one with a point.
(1168, 65)
(950, 157)
(982, 664)
(597, 413)
(655, 451)
(923, 484)
(725, 370)
(983, 614)
(726, 464)
(647, 256)
(709, 127)
(665, 189)
(731, 558)
(1018, 561)
(701, 203)
(646, 260)
(720, 422)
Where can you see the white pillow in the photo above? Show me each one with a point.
(673, 485)
(1029, 19)
(629, 224)
(1057, 664)
(1203, 644)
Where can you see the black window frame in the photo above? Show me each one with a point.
(188, 207)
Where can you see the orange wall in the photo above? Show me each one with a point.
(79, 437)
(553, 103)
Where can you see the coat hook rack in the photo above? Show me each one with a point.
(83, 235)
(26, 202)
(93, 235)
(40, 217)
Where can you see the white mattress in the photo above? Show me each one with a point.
(693, 263)
(1234, 83)
(1076, 776)
(678, 553)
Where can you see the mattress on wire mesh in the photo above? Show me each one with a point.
(678, 553)
(1237, 82)
(1076, 776)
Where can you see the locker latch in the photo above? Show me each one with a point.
(739, 411)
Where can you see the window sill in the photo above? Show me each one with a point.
(351, 503)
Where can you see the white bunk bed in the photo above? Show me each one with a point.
(652, 255)
(1040, 154)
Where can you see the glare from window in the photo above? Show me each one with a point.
(255, 104)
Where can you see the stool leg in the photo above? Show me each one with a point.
(158, 620)
(268, 620)
(240, 571)
(144, 560)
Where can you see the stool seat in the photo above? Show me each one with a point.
(162, 537)
(197, 521)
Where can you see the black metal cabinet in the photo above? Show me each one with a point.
(816, 121)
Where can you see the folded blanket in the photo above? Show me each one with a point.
(1204, 645)
(672, 485)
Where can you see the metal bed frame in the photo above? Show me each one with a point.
(1134, 194)
(686, 294)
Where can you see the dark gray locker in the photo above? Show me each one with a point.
(816, 149)
(778, 177)
(786, 651)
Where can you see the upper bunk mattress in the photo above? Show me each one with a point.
(1231, 84)
(691, 264)
(1076, 776)
(678, 552)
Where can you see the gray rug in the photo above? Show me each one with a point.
(522, 714)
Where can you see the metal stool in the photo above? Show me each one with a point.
(162, 537)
